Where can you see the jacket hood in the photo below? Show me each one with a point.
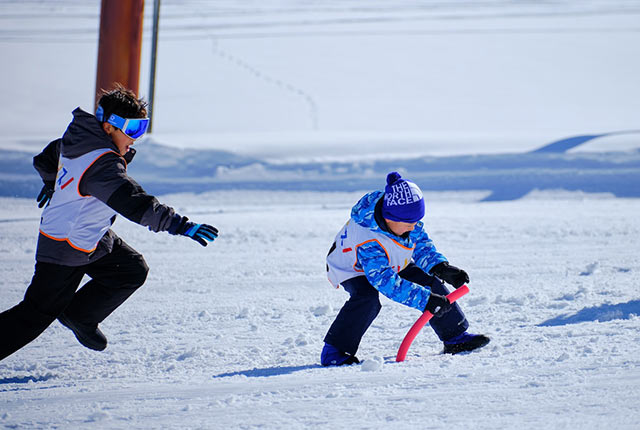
(363, 213)
(84, 134)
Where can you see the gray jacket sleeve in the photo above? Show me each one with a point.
(107, 180)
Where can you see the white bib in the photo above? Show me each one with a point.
(343, 263)
(79, 220)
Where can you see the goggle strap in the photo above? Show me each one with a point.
(100, 113)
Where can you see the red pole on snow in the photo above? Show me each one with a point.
(424, 318)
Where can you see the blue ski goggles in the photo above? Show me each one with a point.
(132, 127)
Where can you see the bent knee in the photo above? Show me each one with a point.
(139, 272)
(376, 307)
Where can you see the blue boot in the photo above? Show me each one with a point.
(465, 342)
(331, 356)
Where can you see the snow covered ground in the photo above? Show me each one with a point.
(229, 336)
(518, 119)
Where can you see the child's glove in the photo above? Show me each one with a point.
(201, 233)
(450, 274)
(45, 194)
(438, 305)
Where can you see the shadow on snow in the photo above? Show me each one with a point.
(600, 313)
(563, 145)
(26, 379)
(268, 371)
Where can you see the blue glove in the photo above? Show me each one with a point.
(201, 233)
(46, 192)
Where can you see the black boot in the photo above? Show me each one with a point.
(87, 334)
(465, 342)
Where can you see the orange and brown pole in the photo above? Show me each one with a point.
(120, 44)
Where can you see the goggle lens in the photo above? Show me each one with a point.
(134, 128)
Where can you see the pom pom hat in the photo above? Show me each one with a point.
(403, 200)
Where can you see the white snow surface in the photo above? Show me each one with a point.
(284, 113)
(230, 336)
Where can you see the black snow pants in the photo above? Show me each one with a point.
(52, 291)
(363, 307)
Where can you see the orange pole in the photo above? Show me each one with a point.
(120, 44)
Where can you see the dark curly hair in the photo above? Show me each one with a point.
(123, 102)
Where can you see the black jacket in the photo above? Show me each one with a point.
(106, 180)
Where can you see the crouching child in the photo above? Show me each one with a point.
(384, 249)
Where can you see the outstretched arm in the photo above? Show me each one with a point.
(107, 180)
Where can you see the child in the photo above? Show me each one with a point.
(384, 248)
(86, 185)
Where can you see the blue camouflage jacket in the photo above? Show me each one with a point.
(373, 260)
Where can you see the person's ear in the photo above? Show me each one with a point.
(108, 128)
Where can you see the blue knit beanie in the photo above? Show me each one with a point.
(403, 200)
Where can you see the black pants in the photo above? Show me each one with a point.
(363, 307)
(52, 291)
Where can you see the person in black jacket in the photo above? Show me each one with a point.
(85, 185)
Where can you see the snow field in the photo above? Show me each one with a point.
(229, 336)
(285, 95)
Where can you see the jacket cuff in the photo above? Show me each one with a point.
(177, 223)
